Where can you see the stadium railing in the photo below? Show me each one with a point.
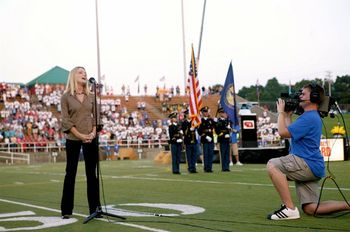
(12, 156)
(33, 147)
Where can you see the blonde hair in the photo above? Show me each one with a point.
(72, 82)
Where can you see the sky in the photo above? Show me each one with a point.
(287, 39)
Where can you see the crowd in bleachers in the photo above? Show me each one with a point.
(267, 131)
(130, 127)
(48, 95)
(27, 119)
(25, 123)
(11, 90)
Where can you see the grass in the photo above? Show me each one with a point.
(329, 123)
(234, 201)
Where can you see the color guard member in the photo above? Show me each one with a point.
(190, 141)
(205, 130)
(176, 139)
(222, 129)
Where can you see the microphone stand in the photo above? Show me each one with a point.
(99, 212)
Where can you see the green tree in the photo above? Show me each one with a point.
(340, 89)
(299, 85)
(272, 90)
(249, 93)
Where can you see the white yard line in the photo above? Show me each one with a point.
(83, 215)
(206, 181)
(153, 178)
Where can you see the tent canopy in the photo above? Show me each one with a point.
(56, 75)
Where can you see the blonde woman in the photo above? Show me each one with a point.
(78, 124)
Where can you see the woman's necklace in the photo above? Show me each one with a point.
(80, 96)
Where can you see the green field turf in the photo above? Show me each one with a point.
(329, 123)
(234, 201)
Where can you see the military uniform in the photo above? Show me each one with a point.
(223, 129)
(175, 141)
(190, 141)
(205, 131)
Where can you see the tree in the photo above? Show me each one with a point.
(249, 93)
(272, 90)
(340, 89)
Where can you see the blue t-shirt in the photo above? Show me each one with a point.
(233, 135)
(306, 136)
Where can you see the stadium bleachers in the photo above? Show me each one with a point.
(151, 132)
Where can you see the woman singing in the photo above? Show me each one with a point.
(78, 124)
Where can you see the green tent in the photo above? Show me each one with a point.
(56, 75)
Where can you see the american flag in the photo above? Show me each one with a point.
(195, 93)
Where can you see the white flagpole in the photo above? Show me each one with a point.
(200, 37)
(98, 46)
(184, 45)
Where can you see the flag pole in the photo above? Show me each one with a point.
(234, 95)
(258, 91)
(98, 45)
(201, 33)
(138, 87)
(184, 45)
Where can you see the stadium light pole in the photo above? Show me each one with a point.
(330, 81)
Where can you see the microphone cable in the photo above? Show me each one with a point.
(97, 114)
(331, 176)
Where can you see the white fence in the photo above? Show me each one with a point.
(53, 146)
(12, 156)
(22, 151)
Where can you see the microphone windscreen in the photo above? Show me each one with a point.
(92, 80)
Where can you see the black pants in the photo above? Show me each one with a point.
(90, 156)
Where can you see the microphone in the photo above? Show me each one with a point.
(92, 80)
(337, 106)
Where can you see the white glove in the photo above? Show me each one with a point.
(228, 127)
(208, 138)
(179, 140)
(181, 132)
(227, 136)
(191, 129)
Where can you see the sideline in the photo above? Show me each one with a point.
(84, 216)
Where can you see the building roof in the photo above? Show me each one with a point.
(56, 75)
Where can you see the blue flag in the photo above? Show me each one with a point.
(228, 97)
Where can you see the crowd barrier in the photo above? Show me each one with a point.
(13, 156)
(33, 147)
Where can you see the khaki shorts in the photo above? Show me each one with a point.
(296, 169)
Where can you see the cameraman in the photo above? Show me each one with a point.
(304, 165)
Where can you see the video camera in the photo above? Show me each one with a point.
(292, 104)
(291, 101)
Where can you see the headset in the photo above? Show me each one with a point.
(315, 94)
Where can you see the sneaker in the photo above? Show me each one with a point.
(239, 163)
(231, 164)
(284, 213)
